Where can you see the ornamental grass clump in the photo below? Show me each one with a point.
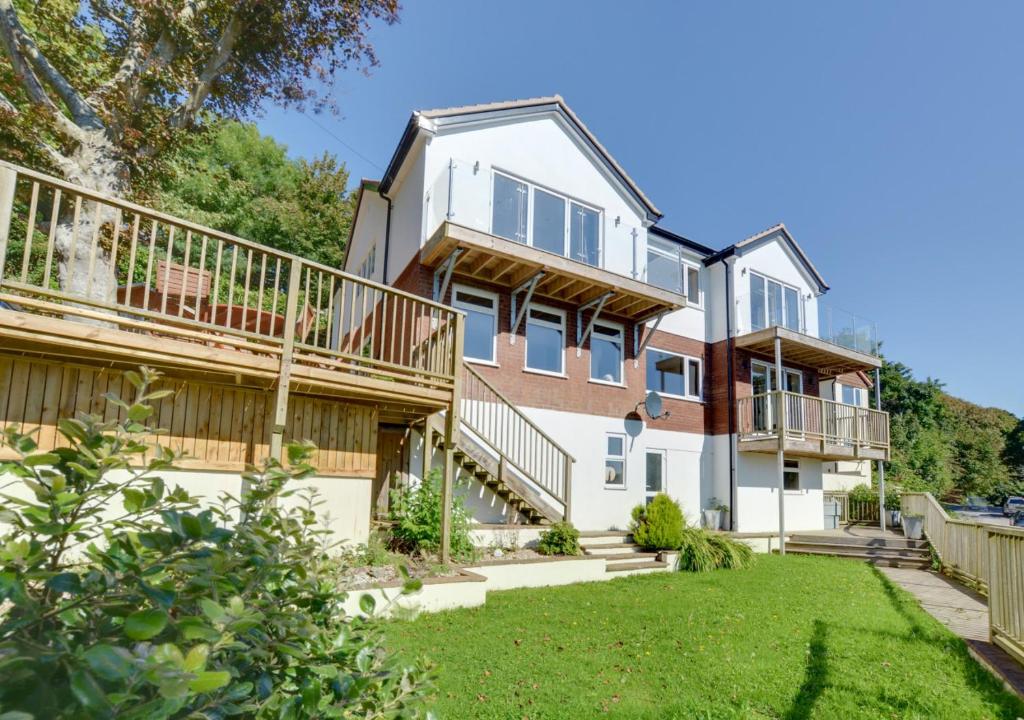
(658, 525)
(125, 599)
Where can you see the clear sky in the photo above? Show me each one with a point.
(888, 136)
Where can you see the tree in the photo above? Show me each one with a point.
(100, 90)
(238, 181)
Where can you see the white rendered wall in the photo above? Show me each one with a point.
(758, 501)
(368, 232)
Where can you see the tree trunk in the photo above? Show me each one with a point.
(83, 248)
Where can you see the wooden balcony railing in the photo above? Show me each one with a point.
(837, 428)
(71, 253)
(528, 450)
(990, 557)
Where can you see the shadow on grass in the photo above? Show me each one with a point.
(815, 675)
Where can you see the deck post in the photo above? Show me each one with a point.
(287, 350)
(567, 493)
(881, 463)
(451, 427)
(8, 183)
(780, 422)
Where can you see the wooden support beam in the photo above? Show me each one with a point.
(451, 427)
(581, 336)
(287, 357)
(443, 275)
(639, 347)
(8, 182)
(517, 318)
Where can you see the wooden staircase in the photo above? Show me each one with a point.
(892, 550)
(476, 462)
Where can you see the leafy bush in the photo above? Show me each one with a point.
(123, 599)
(892, 500)
(417, 516)
(560, 539)
(863, 493)
(659, 525)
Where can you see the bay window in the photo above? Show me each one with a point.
(543, 219)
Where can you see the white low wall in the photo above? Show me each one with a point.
(505, 536)
(541, 573)
(466, 590)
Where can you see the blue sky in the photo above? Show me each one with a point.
(888, 136)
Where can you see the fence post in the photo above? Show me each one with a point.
(451, 427)
(567, 475)
(287, 351)
(8, 183)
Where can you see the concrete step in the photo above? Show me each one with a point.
(611, 548)
(619, 558)
(916, 562)
(916, 553)
(889, 542)
(637, 566)
(604, 537)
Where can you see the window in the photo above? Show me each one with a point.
(510, 207)
(533, 216)
(366, 269)
(615, 461)
(772, 303)
(655, 484)
(481, 310)
(791, 475)
(672, 374)
(850, 395)
(545, 340)
(667, 269)
(606, 353)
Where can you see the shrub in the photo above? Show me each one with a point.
(123, 599)
(560, 539)
(730, 554)
(892, 500)
(659, 525)
(416, 513)
(696, 553)
(863, 493)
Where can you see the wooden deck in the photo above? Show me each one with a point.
(965, 613)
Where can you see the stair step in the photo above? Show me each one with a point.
(894, 542)
(915, 553)
(644, 565)
(591, 534)
(907, 562)
(623, 549)
(621, 557)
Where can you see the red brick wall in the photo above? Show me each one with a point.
(575, 392)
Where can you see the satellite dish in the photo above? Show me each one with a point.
(653, 405)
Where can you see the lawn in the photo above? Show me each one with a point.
(794, 638)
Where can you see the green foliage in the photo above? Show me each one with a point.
(892, 499)
(659, 525)
(126, 599)
(730, 554)
(701, 551)
(238, 181)
(560, 539)
(417, 520)
(863, 493)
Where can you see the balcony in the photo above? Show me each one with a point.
(148, 288)
(831, 341)
(574, 269)
(811, 427)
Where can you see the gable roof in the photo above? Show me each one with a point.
(753, 240)
(553, 103)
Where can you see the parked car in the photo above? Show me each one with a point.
(977, 504)
(1013, 505)
(1018, 519)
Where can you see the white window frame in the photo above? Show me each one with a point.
(799, 299)
(648, 495)
(858, 394)
(789, 466)
(684, 264)
(771, 371)
(620, 458)
(568, 200)
(543, 323)
(495, 303)
(621, 330)
(687, 359)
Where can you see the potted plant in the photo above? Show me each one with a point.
(713, 514)
(723, 514)
(913, 526)
(892, 506)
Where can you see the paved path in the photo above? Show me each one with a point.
(962, 611)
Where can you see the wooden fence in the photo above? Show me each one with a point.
(991, 557)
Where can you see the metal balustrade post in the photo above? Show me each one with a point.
(781, 453)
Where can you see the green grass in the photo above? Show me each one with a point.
(793, 638)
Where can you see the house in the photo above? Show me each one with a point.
(579, 303)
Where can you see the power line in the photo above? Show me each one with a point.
(329, 132)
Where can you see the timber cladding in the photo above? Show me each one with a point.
(219, 427)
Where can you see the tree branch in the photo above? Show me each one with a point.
(7, 106)
(19, 42)
(222, 54)
(163, 53)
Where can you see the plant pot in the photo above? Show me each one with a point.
(712, 519)
(894, 518)
(913, 526)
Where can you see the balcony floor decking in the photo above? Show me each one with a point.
(811, 449)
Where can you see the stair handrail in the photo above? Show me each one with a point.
(552, 474)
